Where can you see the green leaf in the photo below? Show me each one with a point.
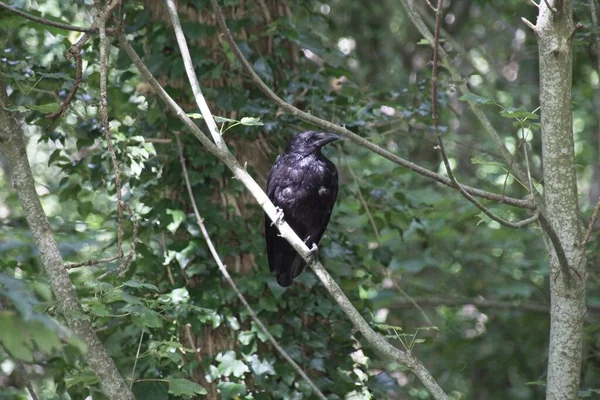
(473, 98)
(260, 367)
(245, 337)
(13, 339)
(216, 118)
(231, 390)
(16, 109)
(517, 113)
(45, 108)
(267, 303)
(228, 365)
(183, 387)
(87, 379)
(251, 121)
(386, 326)
(149, 319)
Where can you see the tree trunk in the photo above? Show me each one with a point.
(12, 147)
(555, 30)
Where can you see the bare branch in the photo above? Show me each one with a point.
(225, 273)
(193, 79)
(364, 203)
(239, 172)
(74, 88)
(529, 24)
(433, 301)
(431, 6)
(348, 134)
(415, 17)
(552, 9)
(436, 128)
(590, 228)
(47, 22)
(101, 21)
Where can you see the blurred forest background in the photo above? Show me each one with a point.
(469, 298)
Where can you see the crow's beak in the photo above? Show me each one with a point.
(327, 138)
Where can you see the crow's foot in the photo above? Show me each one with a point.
(278, 217)
(314, 254)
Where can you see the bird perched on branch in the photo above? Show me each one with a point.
(303, 184)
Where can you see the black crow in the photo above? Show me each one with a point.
(303, 184)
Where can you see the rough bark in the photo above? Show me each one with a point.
(555, 30)
(12, 147)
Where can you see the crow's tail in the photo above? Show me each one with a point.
(285, 280)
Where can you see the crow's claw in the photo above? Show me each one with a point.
(278, 217)
(314, 254)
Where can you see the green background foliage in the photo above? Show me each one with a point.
(395, 236)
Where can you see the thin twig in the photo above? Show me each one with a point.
(363, 202)
(47, 22)
(436, 128)
(596, 35)
(590, 229)
(230, 280)
(137, 356)
(552, 9)
(413, 301)
(428, 301)
(90, 263)
(331, 127)
(558, 248)
(163, 242)
(457, 77)
(431, 6)
(78, 74)
(106, 128)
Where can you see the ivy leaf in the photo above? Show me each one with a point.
(260, 367)
(231, 390)
(245, 337)
(228, 365)
(263, 69)
(183, 387)
(267, 303)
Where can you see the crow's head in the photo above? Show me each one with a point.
(309, 142)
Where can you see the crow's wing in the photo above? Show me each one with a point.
(306, 194)
(282, 182)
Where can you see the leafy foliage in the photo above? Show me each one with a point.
(393, 236)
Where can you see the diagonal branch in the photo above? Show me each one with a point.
(351, 135)
(436, 128)
(240, 173)
(193, 79)
(47, 22)
(538, 202)
(223, 269)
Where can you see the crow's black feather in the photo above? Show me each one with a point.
(304, 185)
